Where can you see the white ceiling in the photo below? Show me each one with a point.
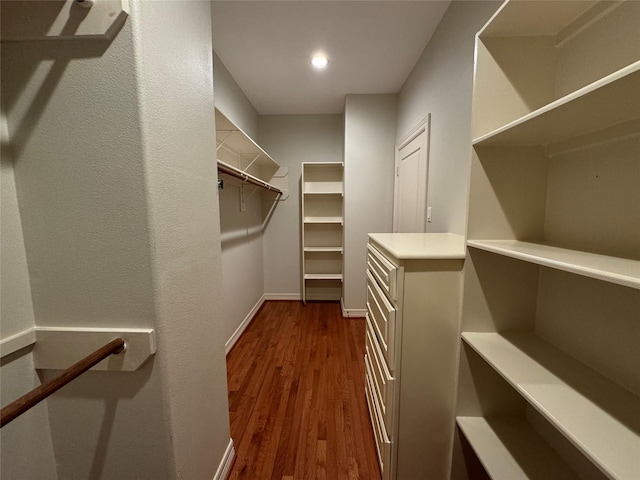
(372, 47)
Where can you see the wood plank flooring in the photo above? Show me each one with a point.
(296, 396)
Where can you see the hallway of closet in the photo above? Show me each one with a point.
(296, 395)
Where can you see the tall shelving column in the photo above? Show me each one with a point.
(549, 384)
(322, 222)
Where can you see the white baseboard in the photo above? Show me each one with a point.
(283, 296)
(225, 465)
(245, 323)
(352, 312)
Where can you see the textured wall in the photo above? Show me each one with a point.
(116, 185)
(231, 100)
(369, 155)
(26, 447)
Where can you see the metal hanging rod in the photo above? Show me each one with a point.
(35, 396)
(246, 177)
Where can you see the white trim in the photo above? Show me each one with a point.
(245, 323)
(57, 348)
(352, 312)
(16, 342)
(283, 296)
(227, 460)
(414, 132)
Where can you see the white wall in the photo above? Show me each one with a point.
(441, 84)
(116, 189)
(369, 153)
(242, 256)
(26, 447)
(291, 140)
(242, 231)
(231, 100)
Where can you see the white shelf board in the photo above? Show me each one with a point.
(323, 249)
(608, 101)
(327, 193)
(314, 165)
(36, 21)
(323, 276)
(509, 448)
(596, 415)
(543, 17)
(616, 270)
(323, 220)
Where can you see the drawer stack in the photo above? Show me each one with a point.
(380, 349)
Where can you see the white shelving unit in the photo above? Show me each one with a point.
(322, 210)
(549, 361)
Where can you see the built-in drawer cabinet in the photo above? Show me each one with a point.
(381, 378)
(382, 315)
(383, 444)
(413, 304)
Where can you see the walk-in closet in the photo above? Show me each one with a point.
(332, 240)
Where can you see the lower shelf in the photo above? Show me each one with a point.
(509, 448)
(596, 415)
(322, 286)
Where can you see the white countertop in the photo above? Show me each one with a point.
(421, 245)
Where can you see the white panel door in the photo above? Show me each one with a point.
(410, 186)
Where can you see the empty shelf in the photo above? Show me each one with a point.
(509, 448)
(615, 98)
(596, 415)
(617, 270)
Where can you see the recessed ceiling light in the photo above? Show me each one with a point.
(319, 61)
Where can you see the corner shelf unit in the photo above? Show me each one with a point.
(549, 385)
(322, 197)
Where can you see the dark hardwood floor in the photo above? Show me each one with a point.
(296, 396)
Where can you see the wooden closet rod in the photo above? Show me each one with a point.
(24, 403)
(247, 178)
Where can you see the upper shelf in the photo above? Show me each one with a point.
(236, 148)
(615, 98)
(621, 271)
(323, 178)
(543, 17)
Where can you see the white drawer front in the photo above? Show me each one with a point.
(383, 445)
(382, 381)
(382, 315)
(383, 270)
